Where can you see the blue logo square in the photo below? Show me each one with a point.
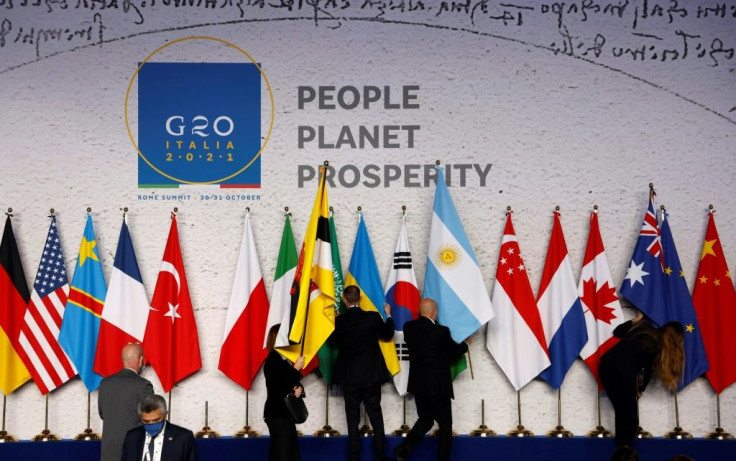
(199, 123)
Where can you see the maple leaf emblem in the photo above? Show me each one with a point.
(597, 300)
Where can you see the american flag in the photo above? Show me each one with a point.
(39, 336)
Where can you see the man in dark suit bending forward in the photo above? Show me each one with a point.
(431, 351)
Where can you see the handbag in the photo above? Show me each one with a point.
(297, 408)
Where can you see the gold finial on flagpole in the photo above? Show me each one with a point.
(9, 213)
(51, 211)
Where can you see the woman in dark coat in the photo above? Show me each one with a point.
(282, 378)
(626, 369)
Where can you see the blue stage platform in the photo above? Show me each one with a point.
(464, 448)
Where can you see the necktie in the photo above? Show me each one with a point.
(150, 448)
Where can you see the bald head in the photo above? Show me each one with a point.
(132, 356)
(428, 308)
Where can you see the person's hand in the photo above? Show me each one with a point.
(638, 395)
(299, 364)
(298, 390)
(639, 316)
(387, 309)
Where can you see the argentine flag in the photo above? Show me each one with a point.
(453, 278)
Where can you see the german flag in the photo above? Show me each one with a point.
(14, 298)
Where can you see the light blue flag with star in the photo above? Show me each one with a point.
(80, 326)
(453, 277)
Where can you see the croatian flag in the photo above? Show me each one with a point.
(453, 278)
(597, 293)
(402, 295)
(560, 309)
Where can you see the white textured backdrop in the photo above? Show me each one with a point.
(571, 106)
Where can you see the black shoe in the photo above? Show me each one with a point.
(401, 453)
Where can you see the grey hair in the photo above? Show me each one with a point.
(152, 402)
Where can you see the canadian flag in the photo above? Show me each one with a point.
(597, 293)
(171, 343)
(243, 350)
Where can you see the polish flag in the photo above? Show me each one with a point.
(243, 350)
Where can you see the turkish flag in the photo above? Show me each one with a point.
(171, 343)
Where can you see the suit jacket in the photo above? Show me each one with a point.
(281, 377)
(431, 351)
(117, 403)
(178, 444)
(359, 359)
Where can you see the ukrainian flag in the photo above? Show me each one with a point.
(363, 272)
(81, 323)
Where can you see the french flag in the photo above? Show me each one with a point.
(125, 314)
(560, 309)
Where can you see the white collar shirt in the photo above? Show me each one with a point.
(158, 445)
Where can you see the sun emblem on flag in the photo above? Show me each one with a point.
(448, 256)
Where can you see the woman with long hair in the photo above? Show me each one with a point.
(282, 378)
(626, 369)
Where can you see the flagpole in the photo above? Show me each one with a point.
(483, 430)
(88, 433)
(559, 431)
(403, 431)
(599, 431)
(718, 434)
(246, 432)
(168, 414)
(326, 430)
(677, 433)
(46, 435)
(4, 436)
(520, 431)
(206, 432)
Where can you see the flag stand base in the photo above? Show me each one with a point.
(87, 435)
(483, 431)
(435, 433)
(600, 432)
(403, 431)
(7, 438)
(559, 432)
(642, 434)
(207, 433)
(247, 432)
(45, 436)
(327, 432)
(678, 434)
(719, 434)
(365, 431)
(520, 431)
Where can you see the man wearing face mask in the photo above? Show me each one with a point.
(157, 439)
(117, 401)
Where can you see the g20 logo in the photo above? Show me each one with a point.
(200, 123)
(176, 126)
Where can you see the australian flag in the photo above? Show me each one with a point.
(656, 285)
